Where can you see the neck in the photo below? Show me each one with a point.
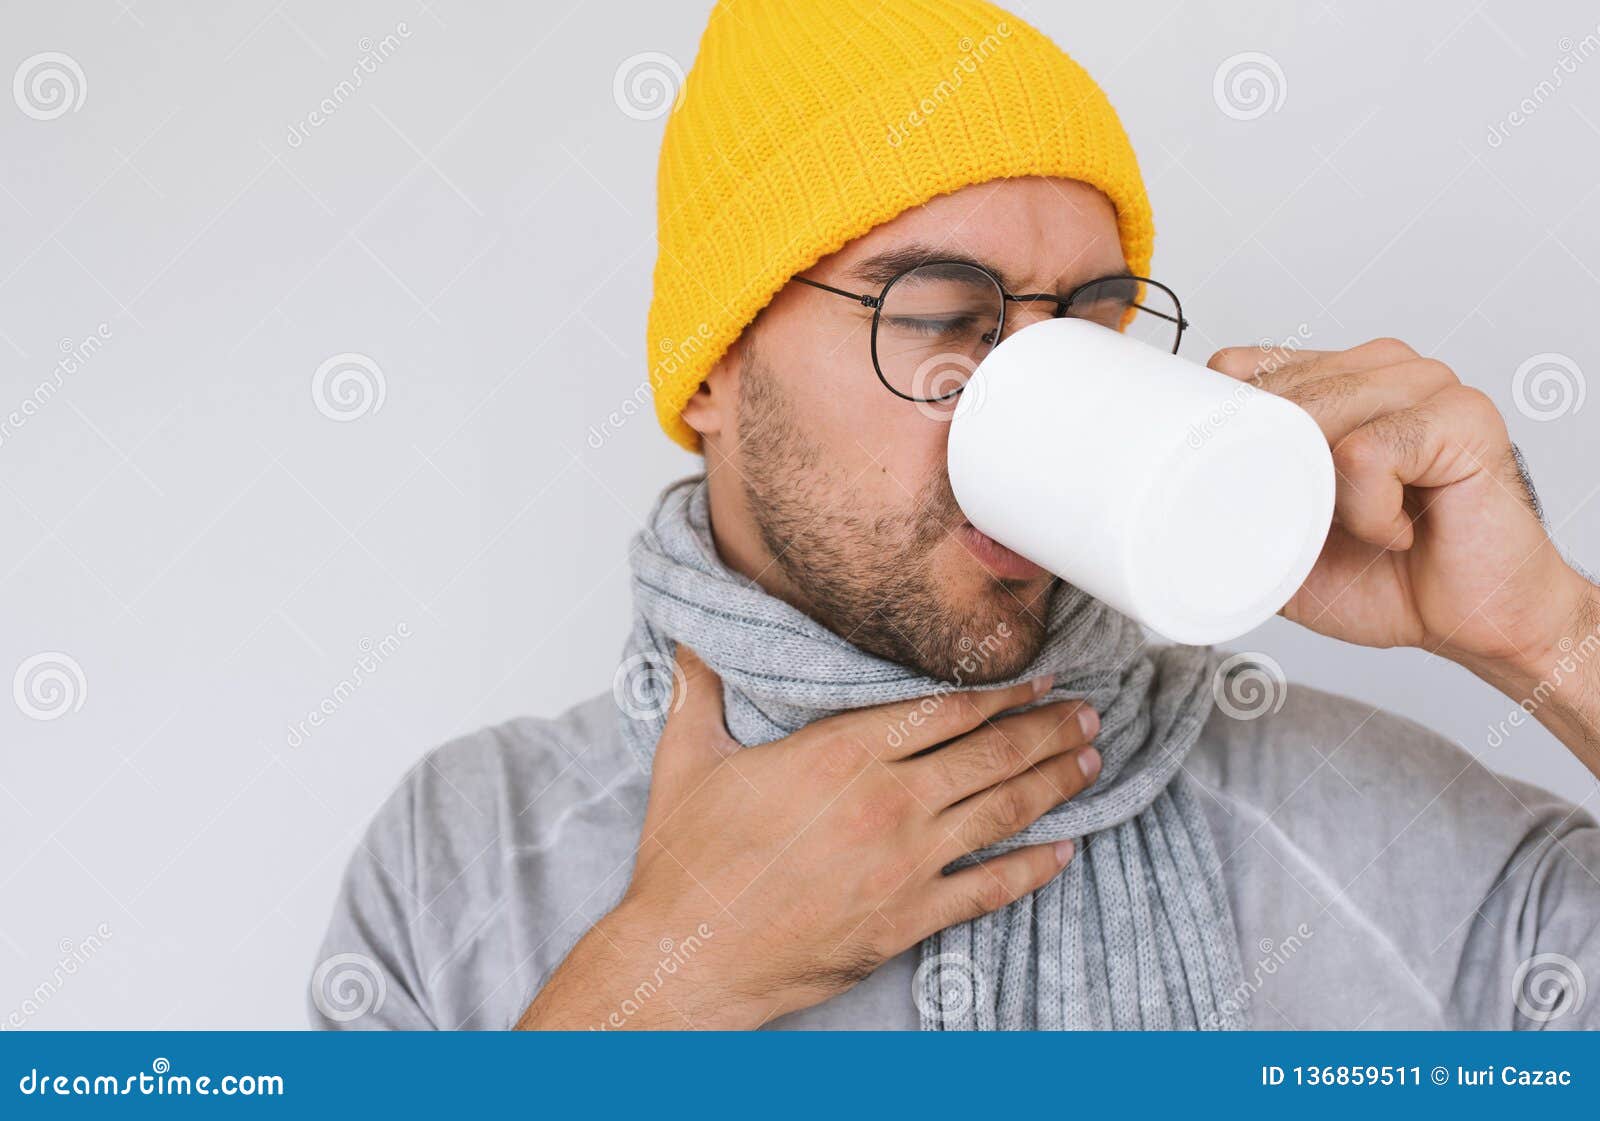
(739, 545)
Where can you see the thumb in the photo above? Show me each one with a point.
(696, 737)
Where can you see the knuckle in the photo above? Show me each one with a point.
(1233, 360)
(964, 710)
(1045, 867)
(875, 814)
(1356, 454)
(951, 775)
(886, 878)
(1060, 727)
(1321, 392)
(1067, 779)
(1431, 371)
(997, 753)
(842, 756)
(979, 759)
(1478, 402)
(991, 893)
(1386, 348)
(1007, 809)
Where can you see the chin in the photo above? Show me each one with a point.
(999, 625)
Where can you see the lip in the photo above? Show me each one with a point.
(1000, 561)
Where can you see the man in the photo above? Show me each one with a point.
(837, 691)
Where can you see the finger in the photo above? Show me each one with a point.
(1342, 402)
(1275, 369)
(998, 750)
(1006, 809)
(1322, 604)
(964, 895)
(902, 728)
(1254, 363)
(1453, 435)
(696, 736)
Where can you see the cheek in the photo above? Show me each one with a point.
(909, 446)
(890, 446)
(882, 447)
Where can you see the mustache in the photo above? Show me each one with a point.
(936, 514)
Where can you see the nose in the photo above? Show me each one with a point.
(1020, 314)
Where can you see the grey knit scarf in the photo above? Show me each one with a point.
(1136, 932)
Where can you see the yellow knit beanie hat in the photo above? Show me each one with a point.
(805, 123)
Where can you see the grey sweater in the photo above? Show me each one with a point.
(1380, 878)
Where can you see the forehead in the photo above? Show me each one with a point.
(1036, 234)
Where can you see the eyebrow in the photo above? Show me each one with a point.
(880, 268)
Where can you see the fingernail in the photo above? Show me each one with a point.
(1064, 851)
(1089, 762)
(1089, 721)
(1041, 684)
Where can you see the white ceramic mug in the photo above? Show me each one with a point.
(1194, 502)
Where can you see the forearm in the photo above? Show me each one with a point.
(1559, 684)
(626, 973)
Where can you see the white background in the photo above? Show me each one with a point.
(185, 524)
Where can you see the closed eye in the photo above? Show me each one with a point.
(943, 325)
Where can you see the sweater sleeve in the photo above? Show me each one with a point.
(1382, 876)
(1533, 949)
(366, 976)
(476, 876)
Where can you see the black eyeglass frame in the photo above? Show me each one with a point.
(1062, 304)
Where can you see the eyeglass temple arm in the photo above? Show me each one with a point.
(864, 301)
(1178, 319)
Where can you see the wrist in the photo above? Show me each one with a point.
(680, 968)
(1563, 646)
(1557, 681)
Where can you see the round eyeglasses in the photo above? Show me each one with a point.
(934, 322)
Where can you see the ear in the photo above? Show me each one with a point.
(712, 409)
